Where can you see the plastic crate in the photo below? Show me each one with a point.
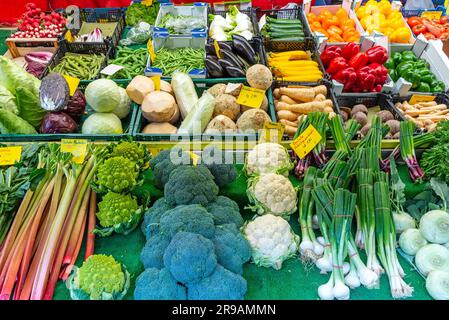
(198, 10)
(258, 47)
(250, 12)
(201, 85)
(63, 48)
(127, 124)
(100, 15)
(280, 45)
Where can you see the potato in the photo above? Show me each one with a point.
(252, 120)
(159, 128)
(139, 87)
(226, 105)
(221, 124)
(264, 105)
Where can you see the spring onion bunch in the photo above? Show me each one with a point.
(407, 149)
(319, 120)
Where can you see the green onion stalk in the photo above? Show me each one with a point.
(310, 249)
(386, 239)
(351, 129)
(407, 149)
(339, 135)
(344, 206)
(339, 155)
(360, 273)
(319, 121)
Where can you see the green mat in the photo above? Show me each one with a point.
(291, 282)
(4, 33)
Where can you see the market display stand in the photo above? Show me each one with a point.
(293, 281)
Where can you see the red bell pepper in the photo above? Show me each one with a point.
(359, 60)
(377, 54)
(329, 54)
(347, 77)
(350, 50)
(366, 79)
(336, 65)
(380, 72)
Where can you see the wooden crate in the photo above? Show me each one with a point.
(17, 45)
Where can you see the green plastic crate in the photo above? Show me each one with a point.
(201, 85)
(127, 123)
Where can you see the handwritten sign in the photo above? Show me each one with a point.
(111, 69)
(77, 147)
(272, 132)
(417, 98)
(251, 97)
(10, 155)
(431, 14)
(306, 141)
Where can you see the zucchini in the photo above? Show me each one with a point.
(275, 35)
(283, 21)
(289, 38)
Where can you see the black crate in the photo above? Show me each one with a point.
(280, 45)
(258, 47)
(63, 48)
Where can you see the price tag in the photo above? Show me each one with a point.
(73, 83)
(154, 151)
(217, 50)
(111, 69)
(306, 141)
(272, 132)
(68, 36)
(157, 82)
(251, 97)
(194, 158)
(431, 14)
(151, 50)
(417, 98)
(77, 147)
(10, 155)
(147, 2)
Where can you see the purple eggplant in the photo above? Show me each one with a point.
(243, 48)
(235, 72)
(213, 67)
(231, 57)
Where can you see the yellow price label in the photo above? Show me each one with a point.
(431, 14)
(272, 132)
(10, 155)
(417, 98)
(217, 50)
(157, 82)
(151, 50)
(251, 97)
(194, 158)
(73, 83)
(77, 147)
(306, 141)
(154, 151)
(147, 2)
(68, 36)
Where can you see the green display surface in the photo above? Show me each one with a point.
(293, 281)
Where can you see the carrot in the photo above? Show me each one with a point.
(288, 100)
(287, 115)
(299, 94)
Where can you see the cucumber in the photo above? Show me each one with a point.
(283, 21)
(276, 35)
(277, 30)
(296, 39)
(285, 26)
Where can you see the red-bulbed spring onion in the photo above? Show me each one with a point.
(407, 149)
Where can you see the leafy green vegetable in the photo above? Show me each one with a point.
(30, 108)
(12, 124)
(434, 161)
(13, 76)
(441, 190)
(138, 12)
(8, 101)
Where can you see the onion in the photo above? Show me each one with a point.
(432, 257)
(434, 226)
(411, 241)
(437, 284)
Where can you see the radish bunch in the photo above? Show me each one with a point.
(37, 24)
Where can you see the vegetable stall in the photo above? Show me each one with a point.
(164, 152)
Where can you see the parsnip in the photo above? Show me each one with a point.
(290, 130)
(287, 115)
(289, 123)
(287, 100)
(305, 108)
(320, 97)
(299, 94)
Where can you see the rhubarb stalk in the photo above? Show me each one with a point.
(90, 245)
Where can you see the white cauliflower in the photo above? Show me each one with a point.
(268, 158)
(272, 193)
(272, 241)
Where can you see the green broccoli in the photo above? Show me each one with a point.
(190, 218)
(118, 212)
(100, 277)
(215, 160)
(150, 224)
(165, 162)
(231, 248)
(225, 211)
(222, 284)
(190, 257)
(116, 174)
(152, 255)
(155, 284)
(190, 185)
(132, 151)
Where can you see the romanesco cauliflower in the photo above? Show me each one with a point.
(272, 193)
(165, 162)
(118, 212)
(116, 174)
(155, 284)
(100, 277)
(272, 240)
(268, 158)
(130, 150)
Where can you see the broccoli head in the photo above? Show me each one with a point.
(116, 174)
(165, 162)
(215, 160)
(100, 277)
(150, 224)
(225, 211)
(155, 284)
(190, 257)
(222, 284)
(190, 218)
(190, 185)
(231, 248)
(152, 255)
(131, 150)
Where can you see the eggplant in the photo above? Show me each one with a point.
(210, 47)
(235, 72)
(231, 57)
(213, 67)
(225, 63)
(243, 48)
(225, 46)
